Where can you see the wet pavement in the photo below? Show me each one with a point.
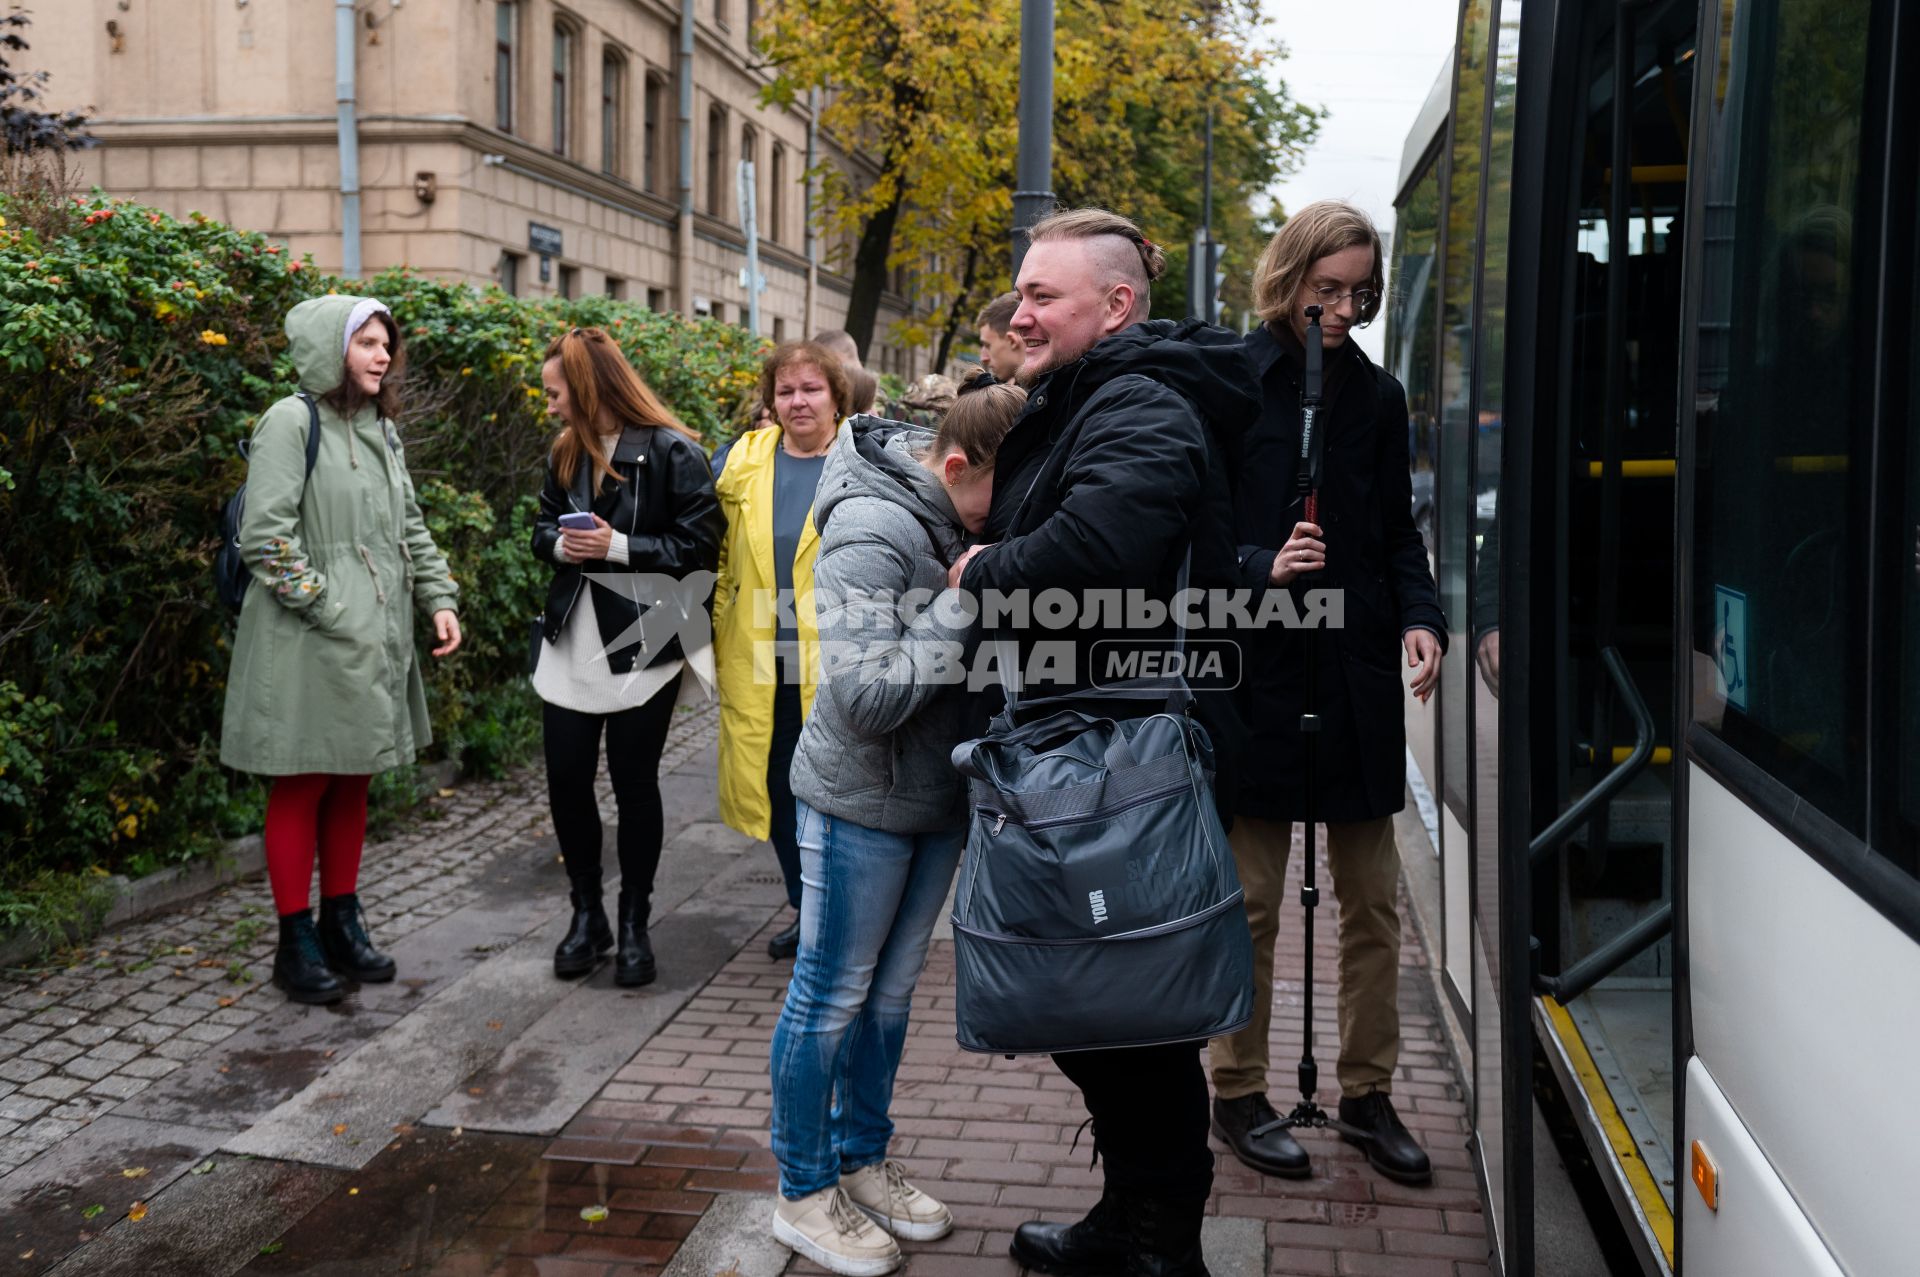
(479, 1117)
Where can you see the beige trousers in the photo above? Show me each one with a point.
(1365, 864)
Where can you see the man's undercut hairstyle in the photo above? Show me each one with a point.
(1121, 249)
(1321, 229)
(840, 342)
(998, 313)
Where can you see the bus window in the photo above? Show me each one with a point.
(1412, 330)
(1784, 405)
(1902, 843)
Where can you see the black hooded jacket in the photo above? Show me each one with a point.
(1120, 462)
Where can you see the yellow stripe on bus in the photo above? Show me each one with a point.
(1625, 1150)
(1650, 468)
(1662, 467)
(1662, 755)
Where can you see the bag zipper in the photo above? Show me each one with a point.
(1000, 818)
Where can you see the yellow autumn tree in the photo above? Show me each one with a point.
(925, 92)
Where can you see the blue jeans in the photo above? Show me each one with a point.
(866, 917)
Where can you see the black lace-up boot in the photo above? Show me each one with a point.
(348, 947)
(1392, 1150)
(633, 964)
(589, 935)
(299, 966)
(1166, 1236)
(1101, 1245)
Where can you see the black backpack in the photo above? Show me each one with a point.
(230, 575)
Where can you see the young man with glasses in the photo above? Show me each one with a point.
(1364, 544)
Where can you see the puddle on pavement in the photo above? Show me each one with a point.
(435, 1203)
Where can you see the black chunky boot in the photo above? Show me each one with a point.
(1166, 1237)
(1247, 1127)
(633, 963)
(1392, 1151)
(348, 947)
(588, 935)
(299, 966)
(1100, 1245)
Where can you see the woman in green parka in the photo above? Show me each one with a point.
(325, 686)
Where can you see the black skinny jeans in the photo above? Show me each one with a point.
(1149, 1109)
(635, 738)
(784, 833)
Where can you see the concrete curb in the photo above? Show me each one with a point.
(137, 898)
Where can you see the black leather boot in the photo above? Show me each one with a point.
(785, 944)
(633, 964)
(588, 935)
(1242, 1126)
(344, 939)
(1166, 1236)
(1098, 1246)
(299, 965)
(1392, 1150)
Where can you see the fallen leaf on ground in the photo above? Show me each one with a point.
(135, 1172)
(404, 1128)
(137, 1212)
(207, 962)
(433, 1188)
(339, 1128)
(328, 1055)
(91, 1211)
(476, 1090)
(26, 1254)
(221, 1069)
(446, 793)
(353, 1192)
(593, 1214)
(224, 1002)
(185, 948)
(485, 1167)
(494, 1024)
(458, 1131)
(203, 1168)
(271, 1248)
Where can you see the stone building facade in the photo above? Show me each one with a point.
(529, 143)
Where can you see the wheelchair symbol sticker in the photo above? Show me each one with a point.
(1730, 619)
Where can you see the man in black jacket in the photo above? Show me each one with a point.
(1364, 545)
(1109, 477)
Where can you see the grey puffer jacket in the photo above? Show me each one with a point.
(876, 749)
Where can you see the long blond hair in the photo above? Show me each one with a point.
(598, 374)
(1319, 230)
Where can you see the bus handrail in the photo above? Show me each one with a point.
(1549, 839)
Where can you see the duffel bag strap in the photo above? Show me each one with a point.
(1042, 733)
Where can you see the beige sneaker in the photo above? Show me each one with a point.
(825, 1227)
(884, 1196)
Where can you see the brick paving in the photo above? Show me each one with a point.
(687, 1117)
(81, 1037)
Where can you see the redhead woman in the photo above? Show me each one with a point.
(627, 501)
(764, 636)
(325, 686)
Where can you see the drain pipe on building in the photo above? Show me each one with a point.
(685, 244)
(349, 127)
(806, 210)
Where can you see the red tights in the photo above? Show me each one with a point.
(308, 812)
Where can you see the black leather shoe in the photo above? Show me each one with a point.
(1242, 1126)
(786, 944)
(1098, 1246)
(588, 935)
(299, 965)
(348, 947)
(633, 961)
(1392, 1150)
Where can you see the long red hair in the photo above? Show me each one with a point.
(599, 376)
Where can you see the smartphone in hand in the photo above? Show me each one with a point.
(577, 521)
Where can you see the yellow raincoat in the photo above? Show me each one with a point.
(744, 623)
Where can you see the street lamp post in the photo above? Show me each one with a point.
(1033, 170)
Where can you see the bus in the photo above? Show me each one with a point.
(1654, 301)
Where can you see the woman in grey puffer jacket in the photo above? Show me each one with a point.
(881, 818)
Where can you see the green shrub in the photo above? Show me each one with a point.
(135, 352)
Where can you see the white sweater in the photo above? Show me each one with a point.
(574, 673)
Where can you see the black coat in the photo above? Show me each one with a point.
(1118, 464)
(1374, 554)
(664, 503)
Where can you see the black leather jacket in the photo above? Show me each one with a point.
(664, 503)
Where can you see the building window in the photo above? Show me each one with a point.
(779, 330)
(753, 21)
(510, 274)
(569, 281)
(563, 39)
(716, 161)
(750, 153)
(616, 288)
(777, 194)
(657, 300)
(506, 22)
(613, 88)
(720, 12)
(650, 127)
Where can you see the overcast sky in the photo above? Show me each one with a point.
(1369, 62)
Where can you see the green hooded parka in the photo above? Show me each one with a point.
(325, 677)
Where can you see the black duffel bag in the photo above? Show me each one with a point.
(1098, 904)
